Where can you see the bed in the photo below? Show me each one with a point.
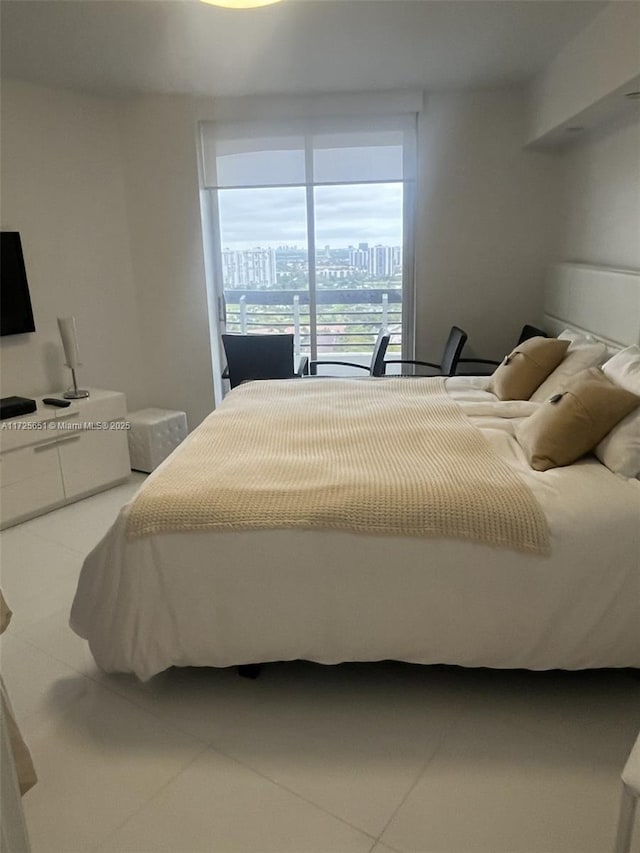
(230, 594)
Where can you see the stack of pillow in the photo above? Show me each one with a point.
(585, 404)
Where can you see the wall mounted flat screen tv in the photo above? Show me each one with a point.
(16, 314)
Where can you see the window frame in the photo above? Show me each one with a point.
(210, 135)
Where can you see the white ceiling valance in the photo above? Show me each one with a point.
(374, 142)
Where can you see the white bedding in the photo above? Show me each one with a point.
(218, 599)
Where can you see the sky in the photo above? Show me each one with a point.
(345, 215)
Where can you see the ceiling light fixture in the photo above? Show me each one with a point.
(240, 4)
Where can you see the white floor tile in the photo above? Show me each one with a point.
(493, 787)
(81, 525)
(218, 805)
(40, 687)
(32, 567)
(40, 569)
(53, 635)
(30, 612)
(98, 762)
(598, 710)
(331, 734)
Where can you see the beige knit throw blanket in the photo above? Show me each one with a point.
(391, 456)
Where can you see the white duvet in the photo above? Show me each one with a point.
(218, 599)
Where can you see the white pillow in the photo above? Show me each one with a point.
(620, 450)
(623, 368)
(583, 353)
(570, 335)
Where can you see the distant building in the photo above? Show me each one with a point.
(333, 272)
(381, 261)
(248, 267)
(377, 261)
(359, 258)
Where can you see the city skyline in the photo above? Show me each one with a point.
(260, 265)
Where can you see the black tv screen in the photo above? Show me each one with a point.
(16, 315)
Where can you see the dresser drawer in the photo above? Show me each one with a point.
(97, 459)
(31, 481)
(21, 432)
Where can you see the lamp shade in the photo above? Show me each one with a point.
(68, 333)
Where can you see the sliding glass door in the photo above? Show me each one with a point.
(312, 230)
(358, 266)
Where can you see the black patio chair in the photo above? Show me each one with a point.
(374, 368)
(260, 357)
(450, 356)
(531, 332)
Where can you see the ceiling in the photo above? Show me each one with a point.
(122, 48)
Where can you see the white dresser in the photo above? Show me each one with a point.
(57, 455)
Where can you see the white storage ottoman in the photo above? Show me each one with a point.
(153, 434)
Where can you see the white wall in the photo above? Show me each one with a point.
(160, 165)
(487, 222)
(62, 188)
(601, 215)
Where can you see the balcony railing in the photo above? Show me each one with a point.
(347, 321)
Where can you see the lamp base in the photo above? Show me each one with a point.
(75, 394)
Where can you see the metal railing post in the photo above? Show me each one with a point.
(243, 315)
(385, 310)
(296, 326)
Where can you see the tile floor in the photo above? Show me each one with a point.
(307, 759)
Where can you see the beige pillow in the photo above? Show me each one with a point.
(526, 367)
(582, 353)
(571, 424)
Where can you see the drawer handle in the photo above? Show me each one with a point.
(68, 438)
(56, 442)
(38, 448)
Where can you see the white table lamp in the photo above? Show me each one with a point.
(68, 333)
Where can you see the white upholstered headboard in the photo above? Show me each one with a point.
(598, 301)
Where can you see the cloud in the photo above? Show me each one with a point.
(344, 215)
